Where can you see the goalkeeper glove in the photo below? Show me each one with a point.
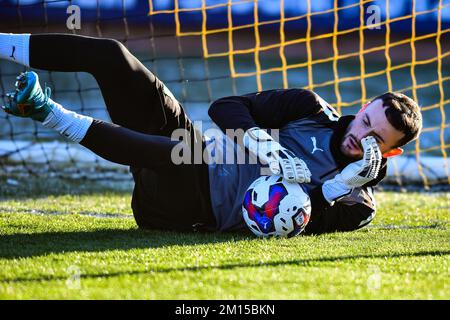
(355, 174)
(29, 100)
(280, 160)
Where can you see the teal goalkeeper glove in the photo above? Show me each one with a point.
(355, 174)
(29, 100)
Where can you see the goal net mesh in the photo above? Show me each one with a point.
(347, 51)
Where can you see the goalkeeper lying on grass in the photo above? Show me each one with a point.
(338, 159)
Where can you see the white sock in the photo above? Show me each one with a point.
(15, 47)
(70, 124)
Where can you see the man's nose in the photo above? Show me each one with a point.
(364, 133)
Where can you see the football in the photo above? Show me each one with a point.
(274, 207)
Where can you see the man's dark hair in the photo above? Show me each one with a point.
(403, 113)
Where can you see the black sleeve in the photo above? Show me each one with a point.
(351, 213)
(266, 109)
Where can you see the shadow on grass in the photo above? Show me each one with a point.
(297, 262)
(35, 188)
(31, 245)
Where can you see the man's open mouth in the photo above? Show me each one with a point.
(353, 144)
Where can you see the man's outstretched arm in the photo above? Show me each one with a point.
(350, 213)
(345, 202)
(266, 109)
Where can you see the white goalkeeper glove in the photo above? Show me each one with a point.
(355, 174)
(280, 160)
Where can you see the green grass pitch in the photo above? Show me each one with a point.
(61, 240)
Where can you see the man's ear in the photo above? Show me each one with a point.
(394, 152)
